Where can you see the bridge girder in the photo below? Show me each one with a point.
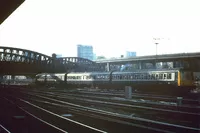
(17, 61)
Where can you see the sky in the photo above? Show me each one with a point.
(110, 26)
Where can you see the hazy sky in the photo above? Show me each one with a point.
(110, 26)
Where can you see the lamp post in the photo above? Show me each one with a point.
(156, 39)
(156, 47)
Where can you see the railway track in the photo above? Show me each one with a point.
(129, 109)
(133, 121)
(135, 95)
(3, 129)
(47, 121)
(135, 103)
(106, 102)
(152, 97)
(15, 119)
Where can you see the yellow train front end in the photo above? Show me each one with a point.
(185, 80)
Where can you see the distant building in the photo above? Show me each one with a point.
(94, 56)
(85, 51)
(58, 56)
(130, 54)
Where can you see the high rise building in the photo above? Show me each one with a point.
(94, 56)
(85, 51)
(58, 55)
(130, 54)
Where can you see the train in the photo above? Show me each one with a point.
(175, 80)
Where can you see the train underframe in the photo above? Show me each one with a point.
(157, 88)
(154, 88)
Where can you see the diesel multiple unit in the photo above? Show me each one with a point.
(140, 79)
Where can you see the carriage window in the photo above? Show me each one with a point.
(152, 76)
(169, 76)
(137, 76)
(129, 77)
(141, 76)
(156, 76)
(160, 76)
(165, 76)
(124, 77)
(149, 76)
(145, 76)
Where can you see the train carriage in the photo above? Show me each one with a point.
(157, 80)
(101, 79)
(79, 79)
(88, 79)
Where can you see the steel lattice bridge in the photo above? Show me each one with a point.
(21, 61)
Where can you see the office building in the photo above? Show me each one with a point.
(58, 56)
(130, 54)
(85, 51)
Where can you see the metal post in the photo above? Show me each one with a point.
(128, 92)
(179, 101)
(156, 48)
(108, 67)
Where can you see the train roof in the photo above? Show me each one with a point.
(42, 74)
(148, 70)
(87, 73)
